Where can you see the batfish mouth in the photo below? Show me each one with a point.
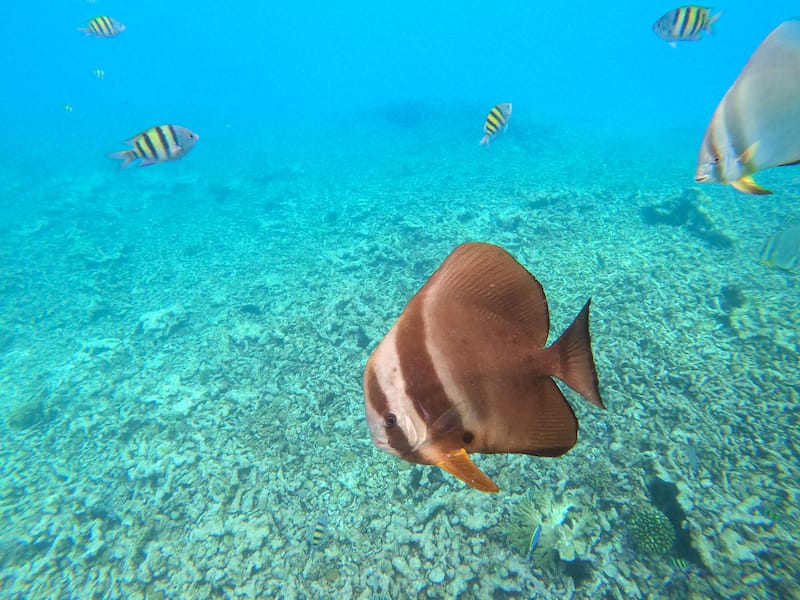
(701, 178)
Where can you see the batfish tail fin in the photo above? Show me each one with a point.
(573, 360)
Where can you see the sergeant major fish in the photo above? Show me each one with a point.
(158, 144)
(103, 27)
(465, 369)
(684, 24)
(497, 118)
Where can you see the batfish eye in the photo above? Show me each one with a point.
(390, 420)
(715, 160)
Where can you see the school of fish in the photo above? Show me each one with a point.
(158, 144)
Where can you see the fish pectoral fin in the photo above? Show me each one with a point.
(746, 156)
(748, 185)
(459, 463)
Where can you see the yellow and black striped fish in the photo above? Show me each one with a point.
(681, 563)
(684, 24)
(158, 144)
(319, 531)
(496, 119)
(103, 26)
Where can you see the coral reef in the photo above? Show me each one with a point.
(689, 210)
(202, 388)
(520, 522)
(651, 530)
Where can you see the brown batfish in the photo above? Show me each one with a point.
(757, 124)
(465, 369)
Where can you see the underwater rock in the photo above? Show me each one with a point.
(6, 341)
(436, 575)
(28, 415)
(254, 310)
(162, 323)
(688, 210)
(664, 495)
(580, 570)
(731, 297)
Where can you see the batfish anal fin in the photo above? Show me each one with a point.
(575, 363)
(748, 185)
(459, 463)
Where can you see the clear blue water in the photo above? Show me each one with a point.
(181, 346)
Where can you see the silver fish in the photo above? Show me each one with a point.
(782, 249)
(756, 126)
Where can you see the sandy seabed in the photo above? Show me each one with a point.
(182, 346)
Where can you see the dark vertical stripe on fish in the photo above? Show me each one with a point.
(680, 22)
(396, 437)
(498, 114)
(140, 149)
(95, 27)
(697, 21)
(174, 137)
(151, 147)
(163, 138)
(105, 24)
(423, 385)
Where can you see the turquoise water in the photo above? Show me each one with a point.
(182, 346)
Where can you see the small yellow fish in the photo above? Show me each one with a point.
(99, 73)
(68, 108)
(319, 531)
(497, 118)
(103, 27)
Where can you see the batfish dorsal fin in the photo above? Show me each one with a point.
(490, 282)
